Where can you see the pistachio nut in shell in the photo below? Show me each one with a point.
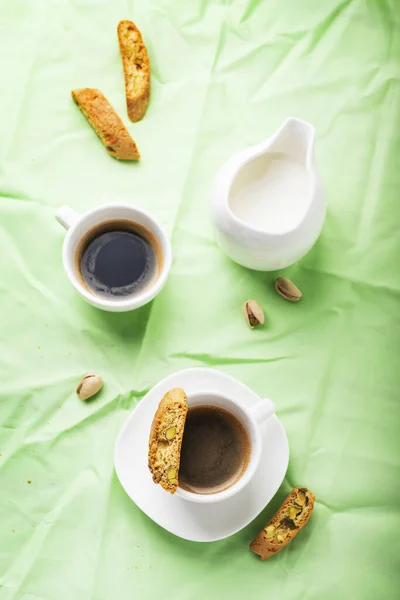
(89, 386)
(287, 289)
(253, 313)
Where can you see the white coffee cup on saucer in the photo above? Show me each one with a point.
(251, 418)
(78, 226)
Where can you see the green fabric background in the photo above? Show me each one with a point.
(225, 75)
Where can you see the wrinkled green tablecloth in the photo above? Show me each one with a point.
(225, 75)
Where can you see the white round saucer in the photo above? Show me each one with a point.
(189, 520)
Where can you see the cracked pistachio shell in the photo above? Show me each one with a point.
(287, 289)
(253, 313)
(89, 386)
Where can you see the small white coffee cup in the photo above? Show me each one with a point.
(78, 226)
(251, 418)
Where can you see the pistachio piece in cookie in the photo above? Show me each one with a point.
(170, 433)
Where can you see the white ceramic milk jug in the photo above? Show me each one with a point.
(268, 203)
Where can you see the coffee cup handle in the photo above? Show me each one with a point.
(66, 216)
(263, 410)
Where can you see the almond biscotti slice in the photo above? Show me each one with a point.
(106, 123)
(285, 525)
(166, 439)
(136, 65)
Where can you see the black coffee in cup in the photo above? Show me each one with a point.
(215, 450)
(118, 258)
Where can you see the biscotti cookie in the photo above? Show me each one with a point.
(106, 123)
(285, 525)
(136, 65)
(166, 439)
